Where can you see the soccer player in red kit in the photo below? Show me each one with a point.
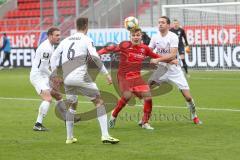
(132, 54)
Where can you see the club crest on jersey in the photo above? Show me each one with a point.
(45, 55)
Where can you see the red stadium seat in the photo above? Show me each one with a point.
(84, 3)
(48, 12)
(27, 15)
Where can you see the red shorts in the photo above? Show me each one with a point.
(134, 84)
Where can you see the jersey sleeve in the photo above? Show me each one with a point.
(108, 49)
(151, 54)
(94, 56)
(44, 57)
(55, 59)
(152, 43)
(174, 41)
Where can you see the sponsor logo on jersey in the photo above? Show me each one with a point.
(163, 50)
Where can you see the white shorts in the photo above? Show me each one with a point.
(39, 82)
(174, 75)
(80, 86)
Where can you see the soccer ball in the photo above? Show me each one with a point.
(131, 23)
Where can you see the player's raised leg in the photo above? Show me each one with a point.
(119, 106)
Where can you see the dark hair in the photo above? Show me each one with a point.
(82, 23)
(5, 34)
(167, 19)
(145, 38)
(51, 30)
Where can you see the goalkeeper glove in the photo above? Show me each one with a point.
(187, 49)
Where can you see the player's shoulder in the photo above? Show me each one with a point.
(64, 41)
(70, 39)
(87, 38)
(172, 34)
(45, 45)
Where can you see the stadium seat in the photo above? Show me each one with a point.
(26, 16)
(84, 3)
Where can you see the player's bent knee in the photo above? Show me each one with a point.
(46, 96)
(98, 101)
(188, 98)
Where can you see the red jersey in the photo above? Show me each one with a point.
(131, 58)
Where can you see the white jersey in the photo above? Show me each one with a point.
(41, 61)
(71, 48)
(162, 45)
(174, 74)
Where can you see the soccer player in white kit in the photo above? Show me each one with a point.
(77, 49)
(40, 73)
(166, 43)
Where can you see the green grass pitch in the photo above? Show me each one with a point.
(174, 138)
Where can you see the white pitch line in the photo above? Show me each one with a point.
(138, 105)
(199, 108)
(208, 78)
(19, 99)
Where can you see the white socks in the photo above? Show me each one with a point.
(102, 118)
(101, 115)
(69, 122)
(42, 112)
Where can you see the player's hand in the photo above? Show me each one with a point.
(175, 61)
(187, 50)
(154, 61)
(109, 79)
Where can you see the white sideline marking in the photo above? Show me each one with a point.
(138, 105)
(206, 78)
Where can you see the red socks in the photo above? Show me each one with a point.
(147, 110)
(120, 104)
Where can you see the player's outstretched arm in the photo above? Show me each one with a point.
(108, 49)
(95, 57)
(151, 54)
